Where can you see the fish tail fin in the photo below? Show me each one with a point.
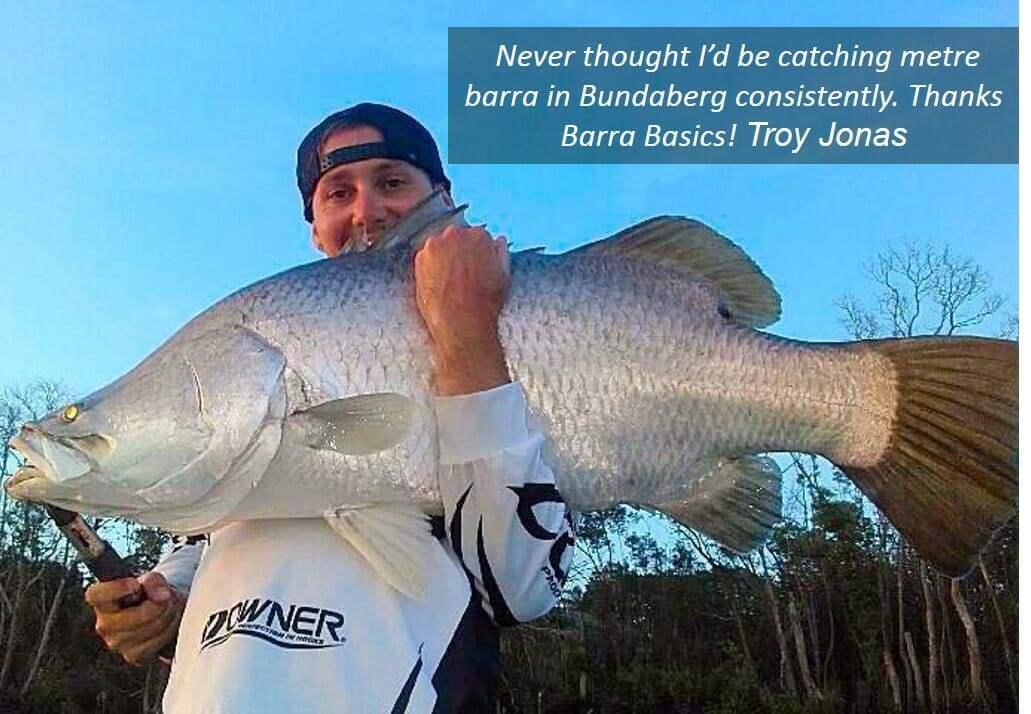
(737, 503)
(948, 476)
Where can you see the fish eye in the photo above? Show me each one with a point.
(71, 413)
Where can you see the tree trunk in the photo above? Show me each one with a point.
(44, 638)
(893, 679)
(154, 687)
(812, 692)
(912, 676)
(884, 599)
(947, 668)
(829, 599)
(745, 649)
(15, 626)
(787, 672)
(1006, 651)
(147, 683)
(809, 610)
(914, 665)
(933, 675)
(973, 648)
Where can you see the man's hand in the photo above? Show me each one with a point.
(136, 633)
(461, 284)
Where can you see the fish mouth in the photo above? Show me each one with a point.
(55, 458)
(360, 241)
(25, 473)
(26, 478)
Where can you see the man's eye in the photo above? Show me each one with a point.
(338, 194)
(395, 183)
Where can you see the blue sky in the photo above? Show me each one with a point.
(148, 153)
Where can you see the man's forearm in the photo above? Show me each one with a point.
(465, 369)
(503, 513)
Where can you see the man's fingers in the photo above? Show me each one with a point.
(156, 587)
(104, 597)
(142, 653)
(154, 629)
(111, 624)
(145, 644)
(133, 629)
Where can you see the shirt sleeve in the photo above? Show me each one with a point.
(179, 564)
(502, 512)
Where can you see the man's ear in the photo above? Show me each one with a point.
(448, 201)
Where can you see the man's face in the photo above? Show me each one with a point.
(367, 196)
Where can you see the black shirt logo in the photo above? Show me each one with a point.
(293, 627)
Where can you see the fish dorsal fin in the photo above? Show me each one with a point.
(736, 504)
(430, 215)
(693, 248)
(365, 424)
(395, 538)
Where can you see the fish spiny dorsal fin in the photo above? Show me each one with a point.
(697, 250)
(429, 216)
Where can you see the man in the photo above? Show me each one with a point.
(285, 615)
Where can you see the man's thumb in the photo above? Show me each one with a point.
(156, 587)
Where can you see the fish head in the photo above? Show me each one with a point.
(161, 436)
(131, 434)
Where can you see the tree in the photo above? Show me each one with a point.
(923, 290)
(32, 546)
(41, 593)
(927, 289)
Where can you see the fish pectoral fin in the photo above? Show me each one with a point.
(360, 425)
(691, 247)
(395, 538)
(737, 505)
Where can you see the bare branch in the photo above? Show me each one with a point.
(1010, 327)
(923, 289)
(860, 322)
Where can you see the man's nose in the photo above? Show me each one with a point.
(366, 209)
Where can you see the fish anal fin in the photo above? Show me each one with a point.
(947, 479)
(360, 425)
(395, 539)
(736, 504)
(693, 248)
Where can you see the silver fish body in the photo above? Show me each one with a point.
(312, 391)
(640, 383)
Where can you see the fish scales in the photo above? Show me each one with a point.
(638, 384)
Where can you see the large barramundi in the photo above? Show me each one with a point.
(309, 394)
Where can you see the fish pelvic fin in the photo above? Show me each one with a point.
(365, 424)
(693, 248)
(395, 539)
(947, 479)
(737, 504)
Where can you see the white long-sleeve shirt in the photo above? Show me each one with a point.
(285, 616)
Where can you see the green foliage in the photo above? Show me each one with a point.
(678, 625)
